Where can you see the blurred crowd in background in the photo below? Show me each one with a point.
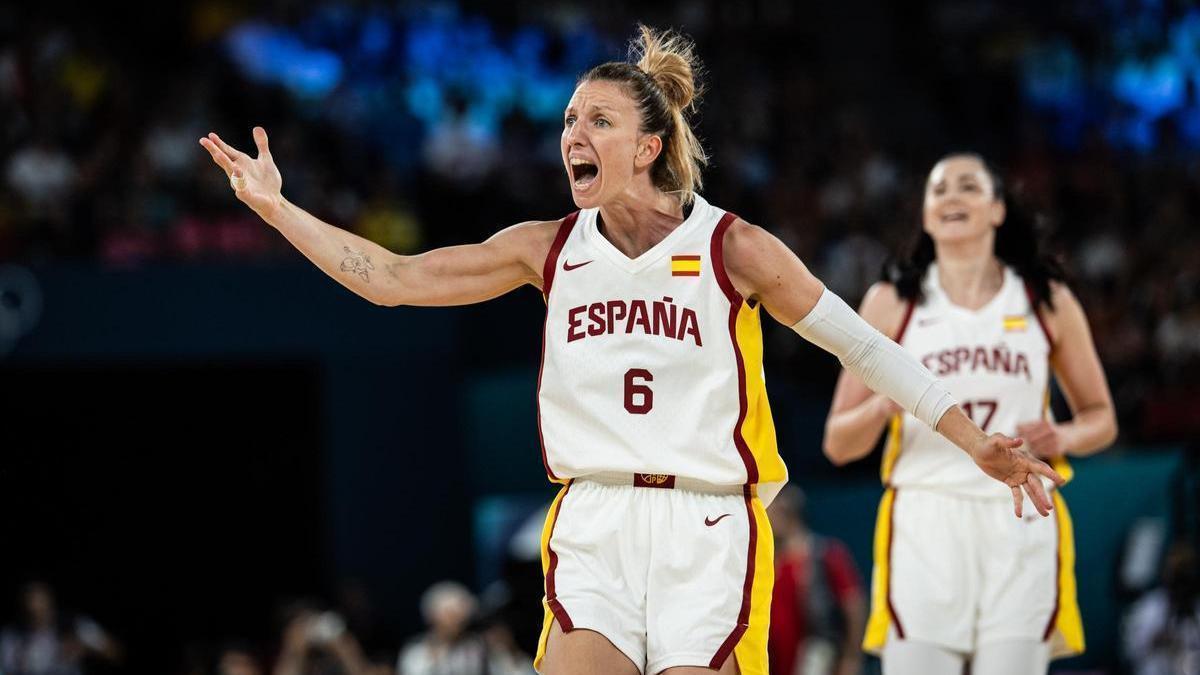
(425, 124)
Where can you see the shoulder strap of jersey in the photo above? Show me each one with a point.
(548, 267)
(1036, 309)
(717, 253)
(908, 312)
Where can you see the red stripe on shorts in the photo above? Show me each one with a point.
(1050, 625)
(560, 612)
(891, 568)
(743, 620)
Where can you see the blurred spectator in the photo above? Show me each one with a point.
(42, 174)
(318, 643)
(238, 659)
(47, 642)
(1162, 629)
(818, 609)
(448, 648)
(498, 613)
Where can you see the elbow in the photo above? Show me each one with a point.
(1111, 430)
(386, 299)
(834, 452)
(1103, 435)
(1107, 432)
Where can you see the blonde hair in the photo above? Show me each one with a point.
(661, 75)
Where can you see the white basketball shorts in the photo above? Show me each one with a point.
(679, 576)
(962, 572)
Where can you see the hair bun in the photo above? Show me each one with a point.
(668, 58)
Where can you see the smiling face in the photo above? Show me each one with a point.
(960, 201)
(603, 147)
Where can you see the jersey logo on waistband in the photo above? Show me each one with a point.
(713, 521)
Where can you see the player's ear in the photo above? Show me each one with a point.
(649, 148)
(998, 212)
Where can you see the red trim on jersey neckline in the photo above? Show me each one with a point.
(743, 620)
(1037, 312)
(717, 248)
(891, 564)
(556, 608)
(548, 268)
(908, 312)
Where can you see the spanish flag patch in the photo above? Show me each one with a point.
(685, 265)
(1015, 322)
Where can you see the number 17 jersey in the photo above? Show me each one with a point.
(653, 365)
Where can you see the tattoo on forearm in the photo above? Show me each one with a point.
(393, 270)
(357, 263)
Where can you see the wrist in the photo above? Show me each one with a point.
(274, 213)
(1066, 438)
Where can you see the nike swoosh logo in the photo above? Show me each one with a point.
(567, 267)
(710, 522)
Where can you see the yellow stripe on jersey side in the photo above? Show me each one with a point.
(758, 429)
(892, 452)
(751, 650)
(1060, 463)
(1067, 639)
(881, 617)
(547, 615)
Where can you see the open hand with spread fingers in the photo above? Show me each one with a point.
(255, 180)
(1004, 459)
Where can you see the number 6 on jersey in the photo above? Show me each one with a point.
(633, 389)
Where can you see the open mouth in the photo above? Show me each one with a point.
(955, 217)
(583, 173)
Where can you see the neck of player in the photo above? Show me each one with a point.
(969, 271)
(640, 217)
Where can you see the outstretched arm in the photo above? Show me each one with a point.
(456, 275)
(761, 267)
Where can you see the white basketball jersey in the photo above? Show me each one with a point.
(994, 361)
(653, 365)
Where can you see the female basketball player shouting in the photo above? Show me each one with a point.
(984, 308)
(652, 409)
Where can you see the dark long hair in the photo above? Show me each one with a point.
(1022, 243)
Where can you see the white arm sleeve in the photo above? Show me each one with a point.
(880, 363)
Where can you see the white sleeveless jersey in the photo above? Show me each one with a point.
(653, 365)
(994, 361)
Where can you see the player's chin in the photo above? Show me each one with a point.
(585, 199)
(953, 233)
